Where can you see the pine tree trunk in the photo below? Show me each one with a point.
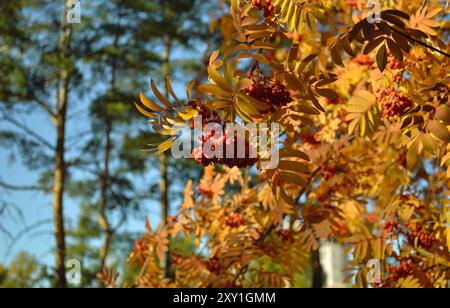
(163, 163)
(103, 218)
(58, 198)
(62, 93)
(105, 179)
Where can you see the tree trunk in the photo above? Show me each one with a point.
(103, 218)
(58, 198)
(163, 163)
(318, 274)
(62, 93)
(105, 179)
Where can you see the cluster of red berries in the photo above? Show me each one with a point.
(309, 138)
(286, 236)
(402, 269)
(393, 63)
(332, 101)
(389, 226)
(402, 159)
(206, 191)
(141, 249)
(217, 144)
(353, 4)
(139, 245)
(363, 60)
(213, 265)
(207, 115)
(340, 228)
(235, 220)
(267, 7)
(176, 259)
(424, 235)
(394, 102)
(274, 94)
(415, 233)
(327, 171)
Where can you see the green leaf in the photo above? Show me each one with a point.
(382, 58)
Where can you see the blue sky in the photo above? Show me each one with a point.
(37, 206)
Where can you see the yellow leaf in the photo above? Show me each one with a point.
(170, 89)
(149, 104)
(413, 155)
(447, 233)
(213, 90)
(188, 113)
(409, 282)
(214, 56)
(294, 153)
(145, 112)
(166, 144)
(219, 80)
(263, 45)
(293, 178)
(158, 95)
(293, 166)
(439, 130)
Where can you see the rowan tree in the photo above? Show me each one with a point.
(362, 101)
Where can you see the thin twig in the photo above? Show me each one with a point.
(29, 131)
(419, 41)
(24, 187)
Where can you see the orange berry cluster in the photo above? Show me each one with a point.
(141, 249)
(340, 228)
(414, 232)
(394, 102)
(274, 94)
(235, 220)
(206, 191)
(363, 60)
(402, 159)
(353, 4)
(286, 236)
(393, 63)
(213, 265)
(140, 245)
(177, 259)
(218, 150)
(423, 234)
(327, 171)
(309, 138)
(267, 7)
(404, 268)
(207, 115)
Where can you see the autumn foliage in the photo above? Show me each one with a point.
(365, 156)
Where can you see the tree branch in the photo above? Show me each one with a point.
(418, 41)
(24, 231)
(47, 108)
(29, 131)
(24, 187)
